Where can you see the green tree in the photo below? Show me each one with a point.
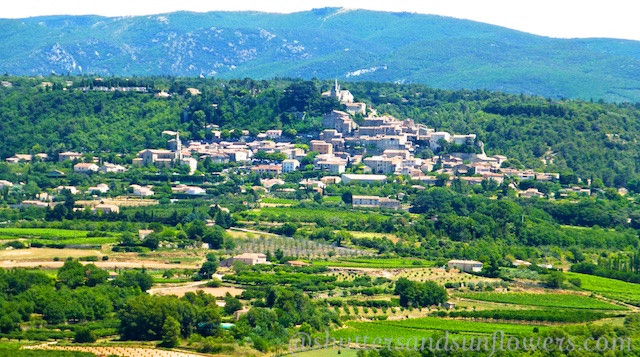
(347, 197)
(209, 267)
(555, 279)
(170, 332)
(196, 229)
(134, 279)
(232, 304)
(214, 236)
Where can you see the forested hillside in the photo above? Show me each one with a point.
(325, 43)
(592, 140)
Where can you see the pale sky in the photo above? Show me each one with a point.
(554, 18)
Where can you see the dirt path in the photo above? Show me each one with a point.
(109, 265)
(118, 351)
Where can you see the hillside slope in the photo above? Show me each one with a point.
(325, 43)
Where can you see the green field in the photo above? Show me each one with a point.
(335, 199)
(77, 241)
(279, 201)
(545, 300)
(54, 236)
(46, 233)
(424, 327)
(611, 288)
(284, 214)
(375, 263)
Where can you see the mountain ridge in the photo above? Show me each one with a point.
(325, 43)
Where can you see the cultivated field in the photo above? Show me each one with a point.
(610, 288)
(180, 290)
(45, 255)
(122, 201)
(425, 327)
(544, 300)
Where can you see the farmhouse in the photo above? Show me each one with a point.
(375, 201)
(105, 208)
(246, 258)
(108, 167)
(465, 265)
(18, 158)
(69, 155)
(85, 168)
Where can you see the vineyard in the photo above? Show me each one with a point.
(422, 327)
(279, 201)
(610, 288)
(299, 248)
(45, 233)
(382, 263)
(544, 300)
(347, 219)
(548, 315)
(57, 238)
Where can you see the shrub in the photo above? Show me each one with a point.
(214, 283)
(576, 281)
(91, 258)
(84, 335)
(15, 244)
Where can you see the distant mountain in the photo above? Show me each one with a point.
(325, 43)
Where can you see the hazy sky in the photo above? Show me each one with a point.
(555, 18)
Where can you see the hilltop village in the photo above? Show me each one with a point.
(378, 148)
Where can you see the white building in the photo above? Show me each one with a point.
(434, 138)
(5, 183)
(85, 168)
(246, 258)
(101, 188)
(274, 134)
(69, 155)
(363, 178)
(72, 189)
(375, 201)
(189, 190)
(356, 108)
(383, 164)
(463, 139)
(465, 265)
(142, 191)
(290, 165)
(113, 168)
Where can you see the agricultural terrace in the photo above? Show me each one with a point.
(544, 300)
(299, 247)
(380, 263)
